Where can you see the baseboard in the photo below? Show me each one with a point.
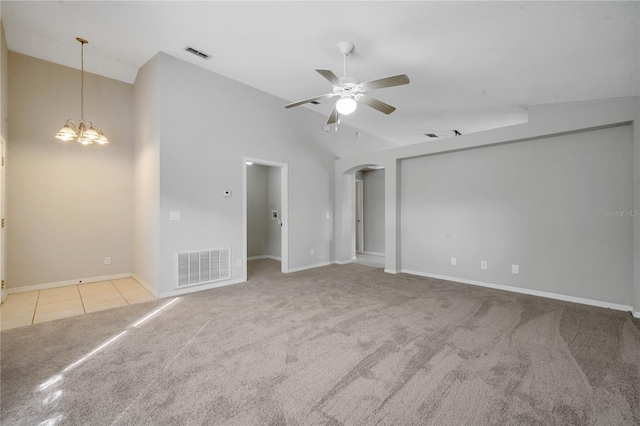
(373, 253)
(546, 294)
(57, 284)
(636, 314)
(391, 271)
(196, 288)
(264, 256)
(342, 262)
(146, 285)
(302, 268)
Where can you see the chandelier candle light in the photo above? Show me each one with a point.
(84, 132)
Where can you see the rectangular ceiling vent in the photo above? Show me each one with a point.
(201, 267)
(431, 135)
(198, 53)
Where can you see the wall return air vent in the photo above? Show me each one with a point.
(201, 267)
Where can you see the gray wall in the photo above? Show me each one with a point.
(273, 203)
(263, 197)
(541, 204)
(68, 206)
(373, 182)
(257, 210)
(4, 86)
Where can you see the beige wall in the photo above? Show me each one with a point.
(68, 206)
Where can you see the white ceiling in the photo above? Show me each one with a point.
(473, 65)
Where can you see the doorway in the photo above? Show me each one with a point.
(266, 211)
(370, 217)
(359, 217)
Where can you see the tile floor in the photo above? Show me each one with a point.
(20, 309)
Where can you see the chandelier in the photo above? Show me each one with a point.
(84, 132)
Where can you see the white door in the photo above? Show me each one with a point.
(359, 216)
(3, 294)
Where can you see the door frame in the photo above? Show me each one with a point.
(284, 209)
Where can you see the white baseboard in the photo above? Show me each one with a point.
(57, 284)
(193, 289)
(342, 262)
(391, 271)
(373, 253)
(546, 294)
(302, 268)
(146, 285)
(264, 256)
(636, 314)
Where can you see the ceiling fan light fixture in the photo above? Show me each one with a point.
(346, 105)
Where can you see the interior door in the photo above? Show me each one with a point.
(3, 293)
(359, 216)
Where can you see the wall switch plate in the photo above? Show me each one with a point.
(239, 262)
(313, 252)
(483, 264)
(174, 215)
(107, 261)
(328, 215)
(226, 193)
(515, 269)
(454, 261)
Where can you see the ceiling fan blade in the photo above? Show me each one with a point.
(333, 118)
(305, 101)
(329, 75)
(376, 104)
(396, 80)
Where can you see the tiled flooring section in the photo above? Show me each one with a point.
(370, 260)
(22, 309)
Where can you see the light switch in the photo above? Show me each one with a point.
(515, 269)
(174, 215)
(454, 261)
(328, 215)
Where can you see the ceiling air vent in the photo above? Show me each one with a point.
(198, 53)
(431, 135)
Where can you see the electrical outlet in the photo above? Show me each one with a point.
(313, 252)
(515, 269)
(454, 261)
(107, 261)
(483, 264)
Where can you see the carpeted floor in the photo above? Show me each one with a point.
(334, 345)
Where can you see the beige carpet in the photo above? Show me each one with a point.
(334, 345)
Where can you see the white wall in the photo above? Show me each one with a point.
(207, 124)
(68, 205)
(563, 120)
(146, 179)
(541, 204)
(373, 182)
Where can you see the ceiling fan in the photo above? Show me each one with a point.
(351, 91)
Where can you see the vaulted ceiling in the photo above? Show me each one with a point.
(473, 65)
